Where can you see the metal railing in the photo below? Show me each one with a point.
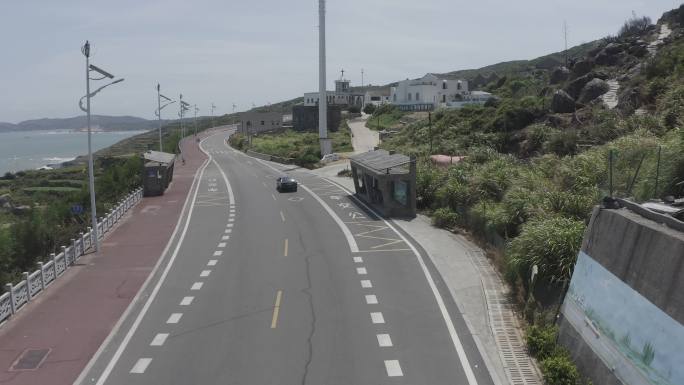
(32, 284)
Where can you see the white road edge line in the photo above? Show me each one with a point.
(129, 309)
(438, 297)
(345, 230)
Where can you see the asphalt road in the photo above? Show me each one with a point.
(259, 287)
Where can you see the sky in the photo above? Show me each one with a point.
(264, 51)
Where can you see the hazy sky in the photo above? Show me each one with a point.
(261, 51)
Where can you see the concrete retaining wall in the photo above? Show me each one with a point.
(645, 255)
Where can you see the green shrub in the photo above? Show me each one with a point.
(369, 108)
(634, 25)
(444, 217)
(354, 109)
(562, 143)
(551, 243)
(541, 341)
(238, 141)
(560, 370)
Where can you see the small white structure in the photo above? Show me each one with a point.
(342, 96)
(376, 97)
(428, 93)
(472, 97)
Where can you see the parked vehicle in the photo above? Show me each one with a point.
(330, 158)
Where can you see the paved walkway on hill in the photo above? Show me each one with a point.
(477, 289)
(75, 315)
(363, 139)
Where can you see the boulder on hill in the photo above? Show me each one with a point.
(606, 59)
(575, 87)
(562, 102)
(613, 48)
(592, 90)
(559, 74)
(582, 67)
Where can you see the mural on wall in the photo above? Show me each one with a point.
(637, 340)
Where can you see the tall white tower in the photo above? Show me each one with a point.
(326, 146)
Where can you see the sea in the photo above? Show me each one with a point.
(29, 150)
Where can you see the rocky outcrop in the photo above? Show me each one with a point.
(575, 87)
(582, 67)
(559, 75)
(592, 90)
(562, 102)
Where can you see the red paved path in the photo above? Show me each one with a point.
(76, 313)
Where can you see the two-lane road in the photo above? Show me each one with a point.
(259, 287)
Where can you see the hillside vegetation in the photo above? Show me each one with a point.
(537, 158)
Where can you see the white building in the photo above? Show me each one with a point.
(428, 93)
(376, 97)
(342, 96)
(473, 97)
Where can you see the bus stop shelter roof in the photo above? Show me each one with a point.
(159, 157)
(382, 162)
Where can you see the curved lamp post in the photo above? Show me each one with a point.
(91, 173)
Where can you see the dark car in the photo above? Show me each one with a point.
(286, 183)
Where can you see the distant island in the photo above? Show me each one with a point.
(99, 123)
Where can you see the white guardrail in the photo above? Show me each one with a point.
(20, 294)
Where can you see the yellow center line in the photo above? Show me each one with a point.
(285, 253)
(276, 309)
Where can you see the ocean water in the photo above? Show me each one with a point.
(33, 149)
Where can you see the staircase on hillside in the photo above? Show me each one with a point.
(665, 31)
(610, 98)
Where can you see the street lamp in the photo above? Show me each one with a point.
(183, 107)
(91, 173)
(213, 122)
(196, 109)
(158, 112)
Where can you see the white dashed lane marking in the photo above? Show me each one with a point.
(377, 318)
(229, 225)
(159, 339)
(366, 284)
(384, 340)
(225, 237)
(371, 299)
(361, 271)
(196, 286)
(186, 301)
(228, 231)
(222, 245)
(358, 260)
(205, 273)
(174, 318)
(218, 253)
(212, 262)
(393, 368)
(141, 365)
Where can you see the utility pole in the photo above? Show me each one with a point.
(234, 106)
(322, 97)
(213, 122)
(430, 129)
(361, 77)
(565, 37)
(159, 115)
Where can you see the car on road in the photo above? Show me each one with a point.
(286, 183)
(330, 158)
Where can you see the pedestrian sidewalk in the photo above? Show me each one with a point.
(478, 290)
(72, 318)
